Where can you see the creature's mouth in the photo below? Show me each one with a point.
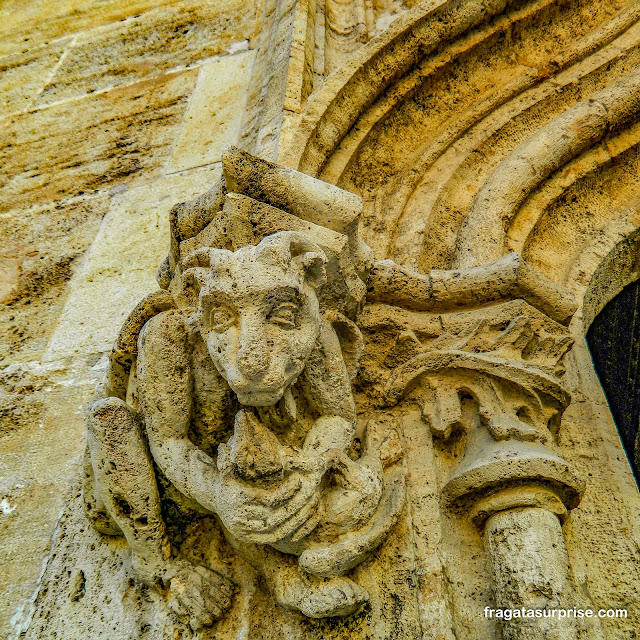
(259, 397)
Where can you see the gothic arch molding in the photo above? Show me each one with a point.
(437, 170)
(614, 271)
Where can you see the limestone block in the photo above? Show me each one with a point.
(165, 38)
(38, 454)
(102, 141)
(43, 244)
(40, 248)
(25, 25)
(8, 276)
(23, 75)
(216, 112)
(119, 268)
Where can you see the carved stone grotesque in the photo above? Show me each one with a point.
(244, 342)
(230, 390)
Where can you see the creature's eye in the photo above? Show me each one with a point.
(285, 315)
(221, 318)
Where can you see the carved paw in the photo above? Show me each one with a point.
(199, 596)
(324, 599)
(269, 516)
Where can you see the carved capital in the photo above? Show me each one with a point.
(490, 378)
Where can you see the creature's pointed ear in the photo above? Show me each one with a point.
(313, 264)
(192, 281)
(286, 247)
(351, 340)
(193, 271)
(198, 266)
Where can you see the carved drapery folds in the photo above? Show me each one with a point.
(258, 385)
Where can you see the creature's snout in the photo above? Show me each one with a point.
(253, 357)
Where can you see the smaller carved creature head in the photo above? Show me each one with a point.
(258, 311)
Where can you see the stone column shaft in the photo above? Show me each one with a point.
(530, 567)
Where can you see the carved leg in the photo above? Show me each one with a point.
(293, 589)
(125, 483)
(94, 507)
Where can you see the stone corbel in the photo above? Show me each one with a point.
(486, 357)
(257, 317)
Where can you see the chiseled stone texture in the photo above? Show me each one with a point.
(23, 75)
(25, 25)
(119, 268)
(111, 112)
(93, 96)
(175, 35)
(105, 140)
(215, 114)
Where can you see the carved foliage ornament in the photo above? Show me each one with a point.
(231, 390)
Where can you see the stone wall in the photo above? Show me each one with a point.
(110, 113)
(470, 129)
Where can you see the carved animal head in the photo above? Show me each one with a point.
(258, 311)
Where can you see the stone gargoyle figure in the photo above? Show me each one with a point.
(241, 340)
(231, 387)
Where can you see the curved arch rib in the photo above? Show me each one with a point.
(482, 237)
(330, 114)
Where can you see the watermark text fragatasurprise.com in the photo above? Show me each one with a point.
(523, 613)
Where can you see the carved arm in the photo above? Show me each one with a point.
(164, 378)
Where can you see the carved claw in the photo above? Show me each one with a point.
(263, 515)
(323, 599)
(199, 596)
(340, 597)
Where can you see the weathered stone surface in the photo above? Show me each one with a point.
(34, 487)
(474, 130)
(216, 112)
(27, 25)
(41, 248)
(119, 268)
(240, 327)
(96, 143)
(269, 79)
(530, 570)
(24, 75)
(167, 37)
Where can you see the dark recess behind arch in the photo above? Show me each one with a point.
(614, 342)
